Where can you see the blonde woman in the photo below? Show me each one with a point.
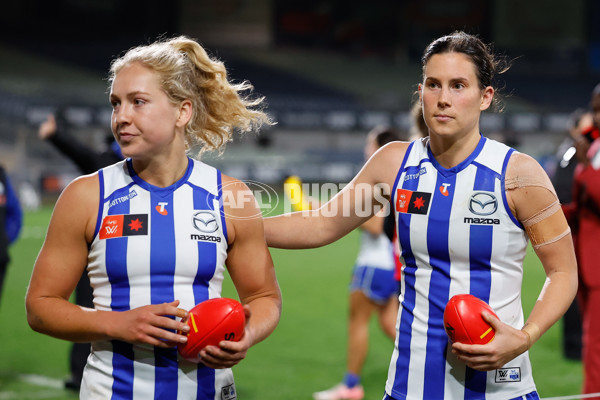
(154, 233)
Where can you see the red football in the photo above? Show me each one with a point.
(210, 322)
(463, 320)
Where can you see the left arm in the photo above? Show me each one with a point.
(535, 204)
(251, 269)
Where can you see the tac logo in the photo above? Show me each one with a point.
(161, 208)
(444, 189)
(114, 226)
(508, 375)
(483, 203)
(410, 202)
(205, 221)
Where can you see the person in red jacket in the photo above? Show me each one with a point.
(583, 214)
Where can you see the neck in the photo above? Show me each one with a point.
(449, 152)
(161, 173)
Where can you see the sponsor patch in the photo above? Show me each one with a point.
(123, 199)
(228, 392)
(205, 221)
(124, 225)
(483, 203)
(508, 375)
(410, 202)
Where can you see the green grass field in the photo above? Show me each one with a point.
(306, 352)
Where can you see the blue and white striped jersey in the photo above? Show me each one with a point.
(457, 235)
(154, 245)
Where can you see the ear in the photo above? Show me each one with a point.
(486, 98)
(420, 91)
(184, 114)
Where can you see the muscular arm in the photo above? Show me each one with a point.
(87, 159)
(555, 252)
(351, 207)
(251, 269)
(533, 201)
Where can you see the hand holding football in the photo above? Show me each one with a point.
(210, 322)
(464, 323)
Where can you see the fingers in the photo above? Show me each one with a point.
(490, 319)
(156, 325)
(224, 356)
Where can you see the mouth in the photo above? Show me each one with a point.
(442, 117)
(125, 136)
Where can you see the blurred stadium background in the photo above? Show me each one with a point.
(330, 70)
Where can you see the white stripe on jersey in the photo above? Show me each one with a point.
(459, 237)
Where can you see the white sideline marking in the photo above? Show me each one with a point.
(40, 380)
(36, 380)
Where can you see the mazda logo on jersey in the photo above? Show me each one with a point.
(205, 221)
(483, 203)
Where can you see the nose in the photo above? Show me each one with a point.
(444, 97)
(121, 115)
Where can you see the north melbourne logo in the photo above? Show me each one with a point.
(508, 375)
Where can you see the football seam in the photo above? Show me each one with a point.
(462, 324)
(212, 330)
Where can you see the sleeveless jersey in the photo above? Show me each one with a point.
(154, 245)
(457, 235)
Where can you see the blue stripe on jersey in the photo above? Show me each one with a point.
(100, 209)
(116, 270)
(220, 197)
(207, 262)
(438, 232)
(162, 272)
(408, 273)
(480, 254)
(504, 199)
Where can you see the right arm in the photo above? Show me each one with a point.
(84, 157)
(348, 209)
(59, 266)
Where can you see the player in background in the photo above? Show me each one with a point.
(11, 221)
(465, 208)
(583, 213)
(374, 288)
(156, 232)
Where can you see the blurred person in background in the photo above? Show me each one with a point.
(583, 213)
(11, 220)
(466, 209)
(373, 289)
(132, 227)
(54, 130)
(567, 156)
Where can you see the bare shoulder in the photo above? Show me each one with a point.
(393, 150)
(521, 164)
(78, 203)
(384, 165)
(242, 212)
(238, 198)
(529, 189)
